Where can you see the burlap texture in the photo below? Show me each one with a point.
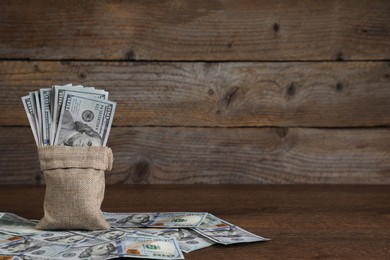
(74, 186)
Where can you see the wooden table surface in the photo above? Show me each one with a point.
(303, 221)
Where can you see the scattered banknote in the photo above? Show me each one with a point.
(145, 231)
(17, 225)
(61, 237)
(70, 115)
(96, 249)
(6, 238)
(163, 219)
(29, 247)
(223, 232)
(187, 239)
(20, 240)
(116, 233)
(149, 247)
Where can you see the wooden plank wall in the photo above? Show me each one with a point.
(210, 91)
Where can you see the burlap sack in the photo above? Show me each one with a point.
(74, 186)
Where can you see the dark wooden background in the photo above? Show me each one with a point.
(210, 91)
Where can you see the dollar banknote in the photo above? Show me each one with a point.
(60, 237)
(106, 235)
(223, 232)
(163, 219)
(84, 121)
(100, 250)
(35, 112)
(39, 116)
(45, 95)
(29, 109)
(6, 238)
(17, 225)
(187, 239)
(149, 247)
(30, 248)
(145, 231)
(59, 95)
(54, 113)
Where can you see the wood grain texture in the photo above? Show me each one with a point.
(183, 155)
(195, 30)
(310, 94)
(303, 221)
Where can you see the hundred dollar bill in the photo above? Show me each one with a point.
(60, 237)
(161, 219)
(187, 239)
(34, 107)
(39, 116)
(149, 247)
(6, 238)
(84, 121)
(105, 235)
(145, 231)
(223, 232)
(45, 95)
(212, 222)
(28, 107)
(54, 117)
(97, 250)
(230, 236)
(29, 248)
(17, 225)
(59, 94)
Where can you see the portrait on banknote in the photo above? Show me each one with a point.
(136, 219)
(76, 133)
(98, 250)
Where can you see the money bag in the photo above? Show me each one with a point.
(75, 186)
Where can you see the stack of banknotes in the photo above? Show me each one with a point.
(162, 235)
(69, 115)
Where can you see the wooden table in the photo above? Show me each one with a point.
(303, 221)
